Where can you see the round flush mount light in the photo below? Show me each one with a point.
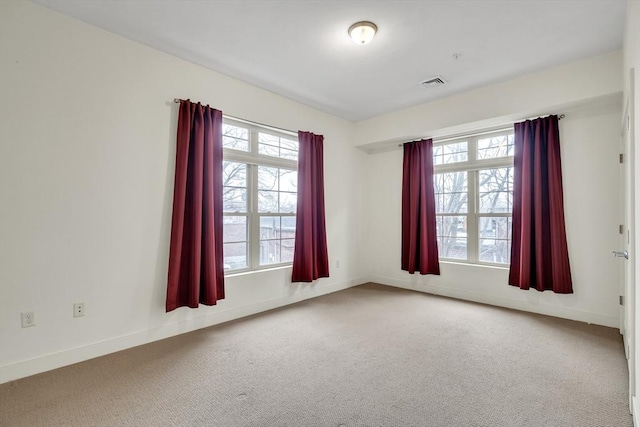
(362, 32)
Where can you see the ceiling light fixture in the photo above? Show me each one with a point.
(362, 32)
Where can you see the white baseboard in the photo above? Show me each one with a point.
(25, 368)
(634, 409)
(546, 309)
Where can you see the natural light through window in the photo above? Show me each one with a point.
(260, 196)
(473, 183)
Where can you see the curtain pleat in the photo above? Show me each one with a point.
(196, 268)
(419, 239)
(310, 258)
(539, 255)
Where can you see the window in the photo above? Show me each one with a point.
(473, 183)
(259, 196)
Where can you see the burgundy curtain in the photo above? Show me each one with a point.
(310, 259)
(196, 268)
(539, 256)
(419, 240)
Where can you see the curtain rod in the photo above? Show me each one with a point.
(467, 135)
(226, 116)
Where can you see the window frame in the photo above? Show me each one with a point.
(253, 159)
(472, 166)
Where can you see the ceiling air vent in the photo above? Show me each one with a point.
(433, 82)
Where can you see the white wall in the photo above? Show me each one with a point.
(86, 181)
(590, 138)
(593, 80)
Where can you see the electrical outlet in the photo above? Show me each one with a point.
(78, 309)
(28, 319)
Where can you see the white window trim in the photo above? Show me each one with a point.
(253, 159)
(472, 165)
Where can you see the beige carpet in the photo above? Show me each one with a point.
(367, 356)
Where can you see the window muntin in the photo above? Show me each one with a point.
(260, 197)
(474, 198)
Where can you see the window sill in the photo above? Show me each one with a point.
(471, 264)
(261, 270)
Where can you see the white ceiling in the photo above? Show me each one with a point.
(301, 49)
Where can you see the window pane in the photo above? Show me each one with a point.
(495, 227)
(235, 143)
(268, 201)
(289, 144)
(288, 180)
(454, 203)
(235, 131)
(235, 256)
(496, 190)
(234, 236)
(234, 229)
(286, 250)
(288, 202)
(456, 249)
(288, 226)
(269, 150)
(268, 144)
(496, 146)
(235, 138)
(267, 178)
(288, 154)
(452, 236)
(437, 154)
(495, 202)
(451, 192)
(274, 179)
(269, 227)
(289, 222)
(276, 239)
(234, 174)
(269, 252)
(234, 191)
(439, 202)
(234, 199)
(450, 182)
(267, 138)
(450, 153)
(273, 145)
(495, 250)
(269, 240)
(495, 239)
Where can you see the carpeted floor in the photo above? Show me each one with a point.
(367, 356)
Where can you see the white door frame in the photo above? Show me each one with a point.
(627, 324)
(627, 242)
